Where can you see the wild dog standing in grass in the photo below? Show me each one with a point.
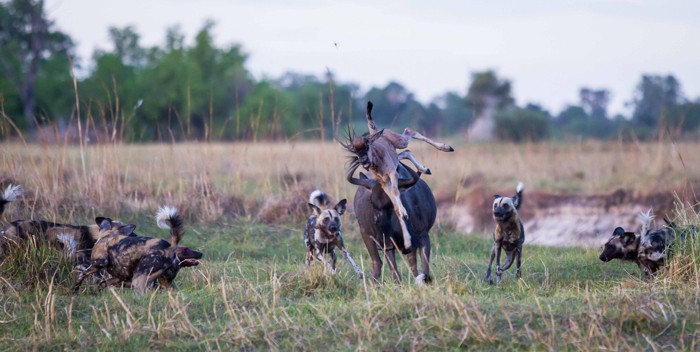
(323, 232)
(649, 249)
(376, 152)
(509, 234)
(140, 260)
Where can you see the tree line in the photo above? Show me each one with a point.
(195, 90)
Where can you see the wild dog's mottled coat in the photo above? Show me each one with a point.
(509, 234)
(323, 232)
(137, 259)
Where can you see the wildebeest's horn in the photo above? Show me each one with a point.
(366, 182)
(408, 182)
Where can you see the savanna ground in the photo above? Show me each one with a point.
(245, 206)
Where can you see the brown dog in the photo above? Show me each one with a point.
(140, 260)
(509, 234)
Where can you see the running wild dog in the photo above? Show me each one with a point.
(376, 152)
(323, 232)
(509, 234)
(141, 261)
(649, 249)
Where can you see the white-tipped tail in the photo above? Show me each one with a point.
(318, 198)
(164, 216)
(11, 193)
(520, 187)
(646, 217)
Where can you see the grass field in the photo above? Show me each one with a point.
(253, 291)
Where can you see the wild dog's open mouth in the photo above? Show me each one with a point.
(189, 262)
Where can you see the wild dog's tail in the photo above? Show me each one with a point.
(646, 217)
(518, 199)
(11, 193)
(319, 199)
(169, 218)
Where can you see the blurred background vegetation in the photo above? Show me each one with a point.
(190, 89)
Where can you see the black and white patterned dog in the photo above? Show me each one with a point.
(323, 232)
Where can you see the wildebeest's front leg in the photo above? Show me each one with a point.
(391, 259)
(392, 190)
(492, 256)
(425, 261)
(373, 254)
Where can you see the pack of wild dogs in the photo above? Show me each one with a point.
(394, 207)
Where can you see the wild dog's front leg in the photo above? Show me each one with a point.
(492, 256)
(406, 154)
(499, 271)
(440, 146)
(326, 265)
(517, 264)
(90, 270)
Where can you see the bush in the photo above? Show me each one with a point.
(520, 125)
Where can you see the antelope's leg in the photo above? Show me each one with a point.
(415, 135)
(392, 191)
(406, 154)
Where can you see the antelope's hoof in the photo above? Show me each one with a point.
(488, 280)
(427, 172)
(449, 148)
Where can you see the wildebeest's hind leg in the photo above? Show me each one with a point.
(391, 259)
(406, 154)
(409, 133)
(373, 254)
(425, 260)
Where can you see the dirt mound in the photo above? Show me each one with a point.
(561, 219)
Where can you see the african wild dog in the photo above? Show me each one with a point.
(380, 227)
(376, 152)
(323, 232)
(509, 234)
(649, 249)
(139, 260)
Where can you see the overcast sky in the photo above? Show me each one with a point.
(548, 49)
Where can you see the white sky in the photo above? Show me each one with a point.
(548, 49)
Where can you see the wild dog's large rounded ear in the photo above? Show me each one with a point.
(340, 207)
(127, 230)
(104, 223)
(618, 231)
(314, 209)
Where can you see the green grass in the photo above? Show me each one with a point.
(253, 291)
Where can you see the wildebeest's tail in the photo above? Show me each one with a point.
(9, 195)
(169, 218)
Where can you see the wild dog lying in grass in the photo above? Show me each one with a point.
(649, 249)
(509, 234)
(376, 152)
(138, 260)
(323, 232)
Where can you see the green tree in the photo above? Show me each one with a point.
(27, 41)
(487, 89)
(654, 98)
(520, 125)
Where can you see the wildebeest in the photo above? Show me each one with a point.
(380, 228)
(376, 152)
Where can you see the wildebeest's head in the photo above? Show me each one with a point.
(505, 208)
(360, 147)
(328, 220)
(622, 245)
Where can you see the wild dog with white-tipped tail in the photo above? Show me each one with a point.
(139, 261)
(323, 232)
(509, 234)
